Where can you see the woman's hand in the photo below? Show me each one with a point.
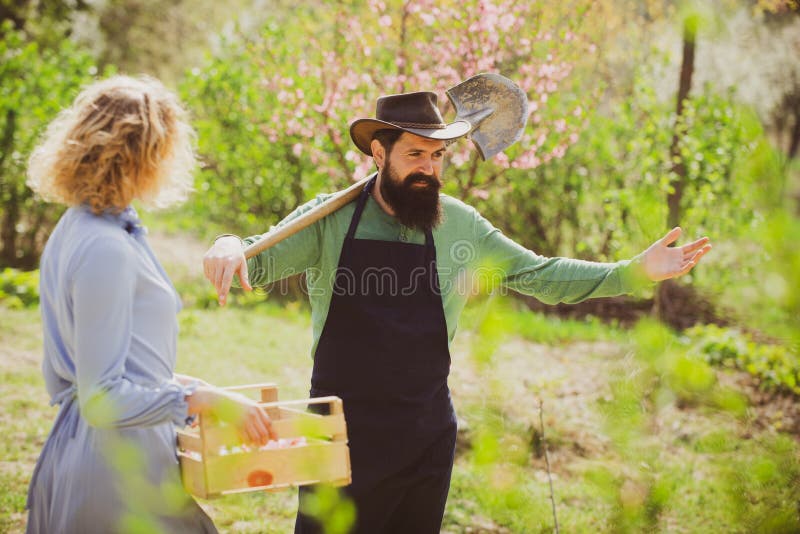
(252, 419)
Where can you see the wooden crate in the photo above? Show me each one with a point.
(214, 462)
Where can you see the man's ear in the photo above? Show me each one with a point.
(378, 153)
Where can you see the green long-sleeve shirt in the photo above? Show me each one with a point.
(471, 254)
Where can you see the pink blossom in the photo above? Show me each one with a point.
(385, 21)
(297, 149)
(483, 194)
(362, 168)
(502, 160)
(377, 6)
(458, 159)
(506, 21)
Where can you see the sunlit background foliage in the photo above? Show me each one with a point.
(608, 162)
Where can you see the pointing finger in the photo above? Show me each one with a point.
(225, 284)
(244, 277)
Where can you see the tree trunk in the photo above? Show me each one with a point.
(678, 167)
(661, 302)
(9, 212)
(794, 136)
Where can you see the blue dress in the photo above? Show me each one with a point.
(110, 332)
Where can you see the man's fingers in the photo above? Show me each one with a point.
(671, 236)
(219, 272)
(225, 284)
(700, 253)
(207, 269)
(244, 277)
(689, 265)
(695, 257)
(694, 246)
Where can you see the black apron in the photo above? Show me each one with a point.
(384, 351)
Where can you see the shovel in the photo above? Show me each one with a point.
(497, 111)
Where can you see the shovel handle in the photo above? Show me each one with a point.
(338, 200)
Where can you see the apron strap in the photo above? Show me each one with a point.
(362, 201)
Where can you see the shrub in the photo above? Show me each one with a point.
(19, 289)
(775, 366)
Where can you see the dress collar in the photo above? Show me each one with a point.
(130, 221)
(126, 219)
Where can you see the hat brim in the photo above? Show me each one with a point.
(362, 130)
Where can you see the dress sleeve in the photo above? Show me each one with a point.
(103, 292)
(550, 280)
(291, 256)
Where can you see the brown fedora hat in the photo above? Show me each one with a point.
(415, 113)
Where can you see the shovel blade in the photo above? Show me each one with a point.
(496, 108)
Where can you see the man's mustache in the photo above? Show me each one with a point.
(429, 180)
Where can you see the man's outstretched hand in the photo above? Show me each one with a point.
(223, 260)
(660, 261)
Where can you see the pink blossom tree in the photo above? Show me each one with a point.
(397, 46)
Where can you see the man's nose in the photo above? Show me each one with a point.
(426, 166)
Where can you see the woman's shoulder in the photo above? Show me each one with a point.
(87, 234)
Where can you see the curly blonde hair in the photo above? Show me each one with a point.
(122, 138)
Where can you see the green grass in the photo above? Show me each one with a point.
(625, 457)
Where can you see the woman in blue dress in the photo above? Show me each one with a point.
(109, 320)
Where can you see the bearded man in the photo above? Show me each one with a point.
(386, 280)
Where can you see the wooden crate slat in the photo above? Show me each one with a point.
(330, 426)
(287, 467)
(193, 474)
(189, 441)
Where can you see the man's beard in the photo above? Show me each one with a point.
(414, 206)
